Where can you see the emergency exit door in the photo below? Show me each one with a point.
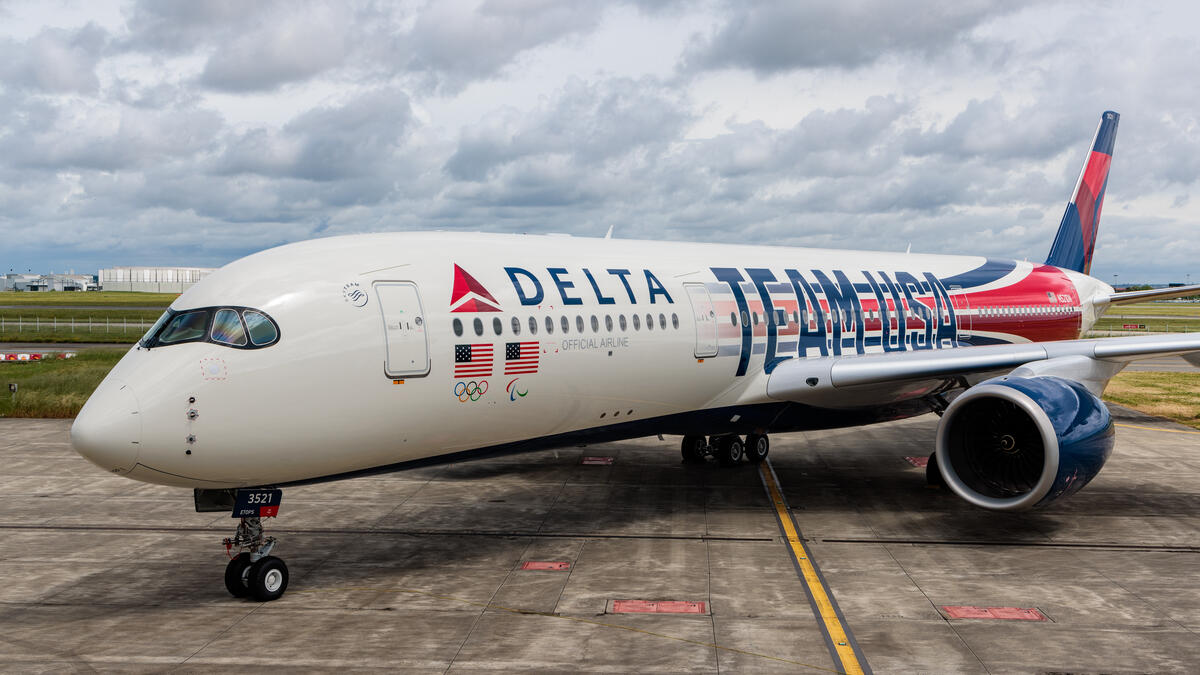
(705, 318)
(406, 335)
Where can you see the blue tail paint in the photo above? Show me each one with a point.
(1076, 238)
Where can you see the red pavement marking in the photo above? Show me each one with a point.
(602, 461)
(1005, 613)
(918, 461)
(658, 607)
(540, 565)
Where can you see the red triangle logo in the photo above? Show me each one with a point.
(464, 285)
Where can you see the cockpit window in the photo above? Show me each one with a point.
(145, 341)
(185, 327)
(262, 331)
(238, 327)
(227, 328)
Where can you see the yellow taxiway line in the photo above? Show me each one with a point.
(1170, 431)
(846, 655)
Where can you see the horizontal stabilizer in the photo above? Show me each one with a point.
(1125, 297)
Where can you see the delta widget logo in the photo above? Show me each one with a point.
(469, 295)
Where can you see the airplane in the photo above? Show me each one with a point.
(347, 356)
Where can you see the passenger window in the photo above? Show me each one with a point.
(595, 324)
(662, 321)
(733, 318)
(497, 326)
(578, 323)
(187, 326)
(608, 322)
(533, 325)
(478, 326)
(262, 331)
(566, 325)
(674, 320)
(649, 322)
(549, 325)
(227, 328)
(637, 323)
(621, 320)
(458, 327)
(516, 324)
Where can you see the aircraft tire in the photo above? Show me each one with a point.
(693, 448)
(236, 575)
(757, 447)
(268, 579)
(730, 450)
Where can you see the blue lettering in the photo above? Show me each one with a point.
(520, 289)
(732, 277)
(760, 277)
(843, 305)
(808, 338)
(563, 285)
(900, 343)
(947, 323)
(912, 289)
(622, 274)
(656, 288)
(600, 297)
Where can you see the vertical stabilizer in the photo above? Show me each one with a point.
(1076, 238)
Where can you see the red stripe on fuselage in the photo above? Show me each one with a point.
(1031, 293)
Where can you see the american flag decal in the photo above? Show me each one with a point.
(521, 357)
(472, 360)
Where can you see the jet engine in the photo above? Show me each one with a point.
(1013, 443)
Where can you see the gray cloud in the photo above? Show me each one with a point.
(781, 35)
(54, 61)
(328, 143)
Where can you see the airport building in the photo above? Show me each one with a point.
(152, 279)
(48, 282)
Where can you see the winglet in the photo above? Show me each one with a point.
(1076, 238)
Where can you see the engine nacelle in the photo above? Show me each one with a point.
(1013, 443)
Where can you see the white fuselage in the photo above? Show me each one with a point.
(362, 376)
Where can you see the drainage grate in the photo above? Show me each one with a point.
(658, 607)
(1004, 613)
(540, 565)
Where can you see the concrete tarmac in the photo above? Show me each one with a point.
(422, 571)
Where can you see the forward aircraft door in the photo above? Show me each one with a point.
(404, 329)
(705, 317)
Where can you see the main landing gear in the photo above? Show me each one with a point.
(728, 449)
(253, 572)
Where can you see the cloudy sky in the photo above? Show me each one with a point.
(190, 132)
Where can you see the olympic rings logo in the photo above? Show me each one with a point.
(470, 391)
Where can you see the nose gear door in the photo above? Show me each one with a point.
(405, 331)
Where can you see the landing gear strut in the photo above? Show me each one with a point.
(253, 572)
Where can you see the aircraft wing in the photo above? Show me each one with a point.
(873, 379)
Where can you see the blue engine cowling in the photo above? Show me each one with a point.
(1013, 443)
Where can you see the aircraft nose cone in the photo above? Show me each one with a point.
(108, 429)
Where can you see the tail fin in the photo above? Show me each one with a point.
(1076, 238)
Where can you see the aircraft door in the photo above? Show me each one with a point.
(962, 311)
(705, 317)
(404, 328)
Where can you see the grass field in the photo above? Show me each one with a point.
(1175, 396)
(92, 299)
(64, 317)
(54, 388)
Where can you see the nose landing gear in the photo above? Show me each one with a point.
(253, 572)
